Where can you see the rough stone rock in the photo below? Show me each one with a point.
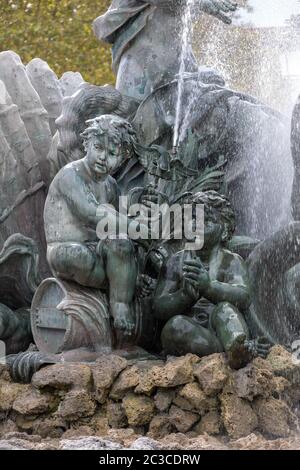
(14, 445)
(284, 365)
(89, 443)
(105, 371)
(293, 394)
(163, 399)
(76, 404)
(44, 426)
(78, 432)
(53, 427)
(254, 440)
(251, 382)
(261, 363)
(124, 436)
(258, 442)
(127, 380)
(9, 393)
(27, 423)
(181, 441)
(193, 393)
(4, 373)
(99, 422)
(282, 444)
(274, 417)
(281, 387)
(32, 402)
(238, 417)
(212, 373)
(210, 424)
(138, 377)
(63, 377)
(145, 443)
(160, 426)
(24, 436)
(183, 403)
(139, 409)
(176, 371)
(147, 385)
(7, 426)
(182, 420)
(116, 415)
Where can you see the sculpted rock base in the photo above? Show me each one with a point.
(134, 398)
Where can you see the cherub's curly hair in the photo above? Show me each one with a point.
(119, 129)
(217, 207)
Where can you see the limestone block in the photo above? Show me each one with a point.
(63, 377)
(105, 371)
(212, 373)
(182, 420)
(139, 409)
(238, 417)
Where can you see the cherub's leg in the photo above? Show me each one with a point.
(121, 272)
(182, 335)
(234, 335)
(230, 326)
(76, 262)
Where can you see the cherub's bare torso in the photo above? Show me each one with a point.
(63, 222)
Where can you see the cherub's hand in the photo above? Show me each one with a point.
(219, 8)
(189, 288)
(152, 196)
(149, 196)
(157, 260)
(195, 278)
(146, 285)
(194, 271)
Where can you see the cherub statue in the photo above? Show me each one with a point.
(214, 281)
(78, 197)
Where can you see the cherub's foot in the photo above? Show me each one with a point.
(243, 351)
(124, 318)
(259, 347)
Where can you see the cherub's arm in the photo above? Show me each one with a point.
(85, 206)
(234, 288)
(171, 297)
(81, 202)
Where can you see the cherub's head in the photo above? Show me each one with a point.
(108, 142)
(219, 221)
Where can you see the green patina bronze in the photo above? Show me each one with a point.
(141, 295)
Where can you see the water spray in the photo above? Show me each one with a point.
(186, 40)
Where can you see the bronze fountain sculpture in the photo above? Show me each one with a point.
(142, 294)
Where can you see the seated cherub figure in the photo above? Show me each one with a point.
(202, 295)
(73, 210)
